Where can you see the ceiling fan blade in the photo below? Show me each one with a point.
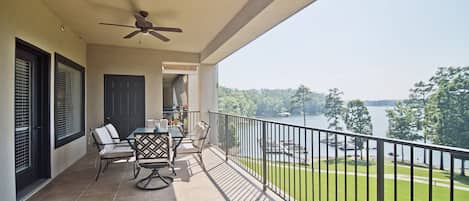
(132, 34)
(161, 37)
(119, 25)
(169, 29)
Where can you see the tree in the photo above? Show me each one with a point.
(418, 100)
(447, 112)
(334, 108)
(357, 119)
(302, 95)
(402, 124)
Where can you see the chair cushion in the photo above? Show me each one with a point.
(187, 148)
(117, 152)
(104, 138)
(113, 132)
(149, 161)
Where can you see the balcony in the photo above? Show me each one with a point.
(246, 158)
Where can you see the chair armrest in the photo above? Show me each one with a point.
(113, 143)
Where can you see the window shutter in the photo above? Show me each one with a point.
(22, 114)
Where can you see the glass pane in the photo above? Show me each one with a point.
(68, 101)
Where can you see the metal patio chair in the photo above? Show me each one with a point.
(153, 151)
(109, 151)
(194, 142)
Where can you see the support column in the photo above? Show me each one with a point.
(208, 94)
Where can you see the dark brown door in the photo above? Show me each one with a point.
(124, 102)
(27, 119)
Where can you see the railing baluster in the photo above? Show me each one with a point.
(289, 170)
(284, 162)
(345, 168)
(271, 157)
(395, 172)
(312, 164)
(305, 166)
(367, 170)
(380, 169)
(319, 165)
(259, 151)
(336, 177)
(226, 137)
(264, 159)
(430, 175)
(327, 166)
(355, 169)
(411, 173)
(299, 162)
(277, 146)
(451, 177)
(250, 144)
(294, 165)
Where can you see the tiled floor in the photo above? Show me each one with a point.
(220, 181)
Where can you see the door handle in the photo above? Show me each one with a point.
(38, 127)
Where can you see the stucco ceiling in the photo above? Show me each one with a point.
(200, 20)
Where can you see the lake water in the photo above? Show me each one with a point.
(380, 127)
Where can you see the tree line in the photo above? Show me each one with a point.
(266, 102)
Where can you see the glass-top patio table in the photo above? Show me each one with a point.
(173, 131)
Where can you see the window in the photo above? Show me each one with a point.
(69, 101)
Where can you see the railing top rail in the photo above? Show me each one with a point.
(454, 150)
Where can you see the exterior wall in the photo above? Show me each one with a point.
(7, 142)
(193, 91)
(34, 23)
(128, 61)
(168, 96)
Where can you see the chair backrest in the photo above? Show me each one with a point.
(152, 146)
(102, 138)
(201, 132)
(113, 132)
(164, 124)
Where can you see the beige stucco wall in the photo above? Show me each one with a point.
(128, 61)
(7, 54)
(193, 91)
(34, 23)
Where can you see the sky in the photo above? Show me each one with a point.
(369, 49)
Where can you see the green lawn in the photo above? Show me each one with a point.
(284, 178)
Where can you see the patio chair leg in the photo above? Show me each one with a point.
(172, 168)
(99, 170)
(108, 162)
(136, 170)
(201, 161)
(162, 179)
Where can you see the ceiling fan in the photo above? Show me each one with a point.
(145, 27)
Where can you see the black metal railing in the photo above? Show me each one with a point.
(188, 119)
(303, 163)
